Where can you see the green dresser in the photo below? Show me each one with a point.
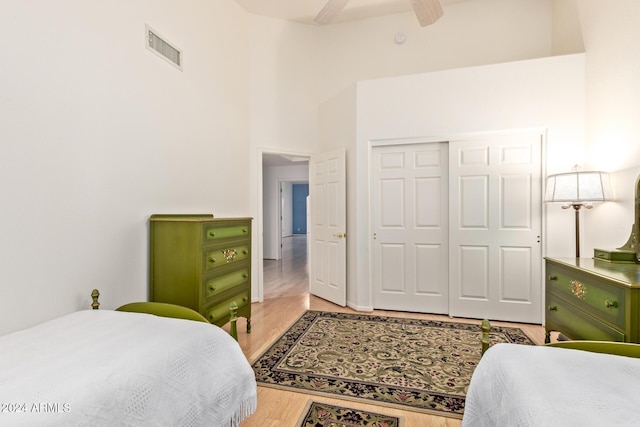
(592, 299)
(203, 263)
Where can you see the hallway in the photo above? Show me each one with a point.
(288, 276)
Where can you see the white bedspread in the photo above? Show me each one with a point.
(517, 385)
(107, 368)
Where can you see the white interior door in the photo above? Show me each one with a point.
(495, 225)
(327, 227)
(409, 214)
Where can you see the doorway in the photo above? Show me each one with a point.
(283, 253)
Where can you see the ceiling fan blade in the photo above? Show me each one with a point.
(329, 11)
(427, 11)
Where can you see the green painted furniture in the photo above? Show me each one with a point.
(163, 309)
(203, 263)
(592, 299)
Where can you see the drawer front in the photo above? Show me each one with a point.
(216, 232)
(591, 294)
(220, 283)
(600, 254)
(618, 255)
(219, 313)
(576, 324)
(225, 255)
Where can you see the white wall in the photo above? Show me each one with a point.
(284, 84)
(283, 114)
(565, 28)
(611, 36)
(303, 77)
(541, 93)
(272, 176)
(470, 33)
(98, 133)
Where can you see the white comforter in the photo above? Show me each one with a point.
(517, 385)
(107, 368)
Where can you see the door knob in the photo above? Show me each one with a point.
(340, 235)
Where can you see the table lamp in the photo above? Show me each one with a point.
(578, 189)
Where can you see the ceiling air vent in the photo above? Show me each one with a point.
(161, 47)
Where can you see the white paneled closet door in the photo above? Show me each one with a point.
(495, 226)
(409, 213)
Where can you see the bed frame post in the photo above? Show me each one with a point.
(486, 330)
(95, 294)
(233, 329)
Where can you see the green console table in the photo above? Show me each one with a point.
(203, 263)
(592, 299)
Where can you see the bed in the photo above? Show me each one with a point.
(125, 367)
(574, 383)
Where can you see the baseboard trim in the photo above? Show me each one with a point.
(359, 308)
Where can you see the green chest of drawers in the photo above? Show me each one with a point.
(590, 299)
(203, 263)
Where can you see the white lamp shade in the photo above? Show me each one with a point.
(578, 187)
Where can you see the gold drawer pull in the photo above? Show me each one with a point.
(578, 289)
(244, 299)
(245, 252)
(553, 308)
(212, 234)
(245, 275)
(212, 259)
(229, 254)
(553, 277)
(244, 230)
(611, 304)
(213, 288)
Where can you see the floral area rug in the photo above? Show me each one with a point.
(419, 365)
(325, 415)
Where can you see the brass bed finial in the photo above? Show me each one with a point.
(94, 295)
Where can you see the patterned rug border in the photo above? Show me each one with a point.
(311, 402)
(293, 333)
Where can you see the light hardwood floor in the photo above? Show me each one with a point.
(286, 298)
